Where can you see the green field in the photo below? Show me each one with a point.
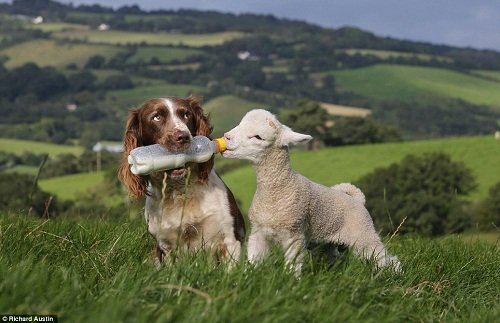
(23, 169)
(129, 98)
(69, 187)
(116, 37)
(18, 147)
(49, 53)
(164, 54)
(495, 75)
(94, 270)
(347, 164)
(410, 83)
(227, 111)
(58, 26)
(385, 54)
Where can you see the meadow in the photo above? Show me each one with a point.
(95, 270)
(411, 83)
(163, 54)
(330, 166)
(71, 187)
(227, 111)
(116, 37)
(50, 53)
(18, 147)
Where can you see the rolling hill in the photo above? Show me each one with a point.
(347, 164)
(406, 83)
(18, 147)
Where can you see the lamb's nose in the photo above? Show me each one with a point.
(227, 136)
(181, 137)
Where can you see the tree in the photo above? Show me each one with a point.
(18, 194)
(82, 81)
(356, 130)
(488, 215)
(95, 62)
(115, 82)
(307, 117)
(421, 190)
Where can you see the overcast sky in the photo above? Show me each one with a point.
(473, 23)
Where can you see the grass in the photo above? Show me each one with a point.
(116, 37)
(18, 147)
(407, 83)
(163, 54)
(125, 99)
(69, 187)
(347, 164)
(385, 54)
(92, 270)
(46, 52)
(227, 111)
(345, 111)
(58, 26)
(23, 169)
(495, 75)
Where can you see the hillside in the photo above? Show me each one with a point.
(347, 164)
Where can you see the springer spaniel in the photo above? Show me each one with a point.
(200, 214)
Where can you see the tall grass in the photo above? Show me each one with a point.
(98, 271)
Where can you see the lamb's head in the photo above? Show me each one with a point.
(259, 131)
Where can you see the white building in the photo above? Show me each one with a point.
(103, 27)
(38, 20)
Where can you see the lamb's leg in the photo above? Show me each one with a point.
(258, 246)
(369, 246)
(294, 247)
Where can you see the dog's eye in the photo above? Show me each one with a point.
(257, 137)
(156, 117)
(186, 115)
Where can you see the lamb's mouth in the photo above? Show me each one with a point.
(177, 172)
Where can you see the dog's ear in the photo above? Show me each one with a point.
(136, 185)
(289, 137)
(202, 128)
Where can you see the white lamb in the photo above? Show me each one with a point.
(291, 210)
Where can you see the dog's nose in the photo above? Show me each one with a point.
(181, 137)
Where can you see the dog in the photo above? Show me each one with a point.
(189, 207)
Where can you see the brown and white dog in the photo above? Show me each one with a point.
(201, 214)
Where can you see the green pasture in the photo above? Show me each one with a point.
(18, 147)
(129, 98)
(94, 270)
(410, 83)
(226, 112)
(46, 52)
(70, 187)
(330, 166)
(495, 75)
(23, 169)
(58, 26)
(385, 54)
(163, 54)
(115, 37)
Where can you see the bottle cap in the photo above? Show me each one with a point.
(221, 144)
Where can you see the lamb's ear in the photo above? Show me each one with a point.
(290, 137)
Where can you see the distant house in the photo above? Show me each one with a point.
(103, 27)
(246, 55)
(114, 147)
(38, 20)
(71, 107)
(497, 135)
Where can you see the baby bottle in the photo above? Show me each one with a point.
(148, 159)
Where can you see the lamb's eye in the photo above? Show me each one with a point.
(257, 137)
(156, 117)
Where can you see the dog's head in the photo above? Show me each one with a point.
(171, 122)
(258, 131)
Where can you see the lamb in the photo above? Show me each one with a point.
(291, 210)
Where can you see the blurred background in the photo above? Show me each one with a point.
(402, 99)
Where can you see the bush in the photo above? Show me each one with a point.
(421, 190)
(488, 215)
(353, 131)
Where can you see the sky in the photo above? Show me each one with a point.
(463, 23)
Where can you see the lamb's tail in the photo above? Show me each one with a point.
(351, 190)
